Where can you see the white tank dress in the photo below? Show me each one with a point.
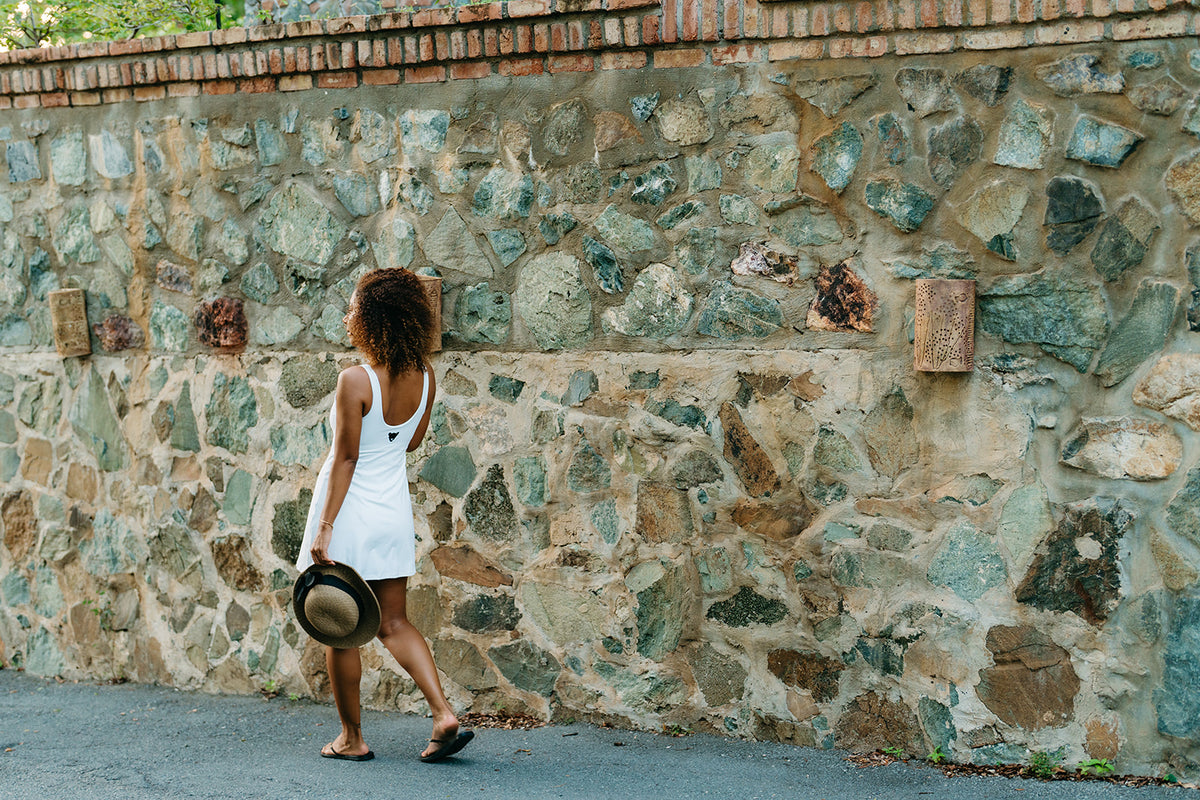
(373, 531)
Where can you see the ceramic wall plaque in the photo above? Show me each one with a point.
(945, 326)
(68, 317)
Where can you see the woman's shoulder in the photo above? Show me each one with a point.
(355, 379)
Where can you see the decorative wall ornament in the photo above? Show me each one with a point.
(945, 326)
(68, 316)
(433, 290)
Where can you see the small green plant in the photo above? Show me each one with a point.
(293, 697)
(102, 609)
(895, 752)
(1170, 778)
(675, 729)
(1044, 764)
(936, 755)
(270, 689)
(1098, 766)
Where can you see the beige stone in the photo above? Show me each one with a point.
(1173, 387)
(20, 524)
(565, 614)
(38, 461)
(81, 482)
(801, 705)
(1183, 181)
(1138, 449)
(1103, 738)
(464, 564)
(1177, 573)
(613, 128)
(1032, 684)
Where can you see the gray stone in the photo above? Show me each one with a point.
(356, 193)
(555, 226)
(581, 183)
(96, 424)
(835, 156)
(662, 596)
(1073, 211)
(1025, 135)
(703, 173)
(68, 159)
(695, 468)
(554, 302)
(230, 413)
(1124, 239)
(1124, 448)
(1102, 144)
(184, 435)
(489, 509)
(1079, 74)
(654, 186)
(697, 251)
(424, 129)
(1068, 320)
(296, 224)
(905, 205)
(721, 679)
(738, 210)
(803, 222)
(588, 471)
(375, 136)
(452, 246)
(953, 147)
(450, 469)
(680, 213)
(1024, 522)
(272, 147)
(529, 476)
(1141, 332)
(729, 313)
(925, 91)
(968, 563)
(627, 233)
(1162, 98)
(746, 608)
(22, 160)
(487, 614)
(482, 315)
(508, 245)
(831, 95)
(581, 385)
(658, 305)
(299, 445)
(504, 195)
(893, 139)
(1176, 701)
(643, 106)
(987, 83)
(992, 213)
(772, 167)
(683, 122)
(527, 666)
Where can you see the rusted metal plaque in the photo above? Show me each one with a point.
(68, 316)
(433, 290)
(945, 326)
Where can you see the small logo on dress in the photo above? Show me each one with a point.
(392, 436)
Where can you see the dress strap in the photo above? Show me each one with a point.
(376, 392)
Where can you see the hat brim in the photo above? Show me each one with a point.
(368, 620)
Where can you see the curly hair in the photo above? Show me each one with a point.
(393, 322)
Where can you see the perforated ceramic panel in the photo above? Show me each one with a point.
(945, 326)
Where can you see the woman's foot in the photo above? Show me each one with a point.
(347, 751)
(445, 729)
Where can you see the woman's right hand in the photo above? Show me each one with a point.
(320, 548)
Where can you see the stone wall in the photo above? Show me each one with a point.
(681, 470)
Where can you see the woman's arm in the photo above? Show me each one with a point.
(353, 398)
(423, 426)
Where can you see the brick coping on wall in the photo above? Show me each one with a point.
(533, 37)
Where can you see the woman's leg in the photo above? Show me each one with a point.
(345, 671)
(408, 647)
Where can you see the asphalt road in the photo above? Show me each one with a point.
(73, 741)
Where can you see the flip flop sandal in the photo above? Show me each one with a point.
(449, 746)
(367, 756)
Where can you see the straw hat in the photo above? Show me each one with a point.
(335, 606)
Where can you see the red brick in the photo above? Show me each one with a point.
(471, 71)
(650, 29)
(337, 80)
(885, 14)
(342, 25)
(295, 83)
(365, 54)
(125, 47)
(877, 46)
(918, 43)
(929, 13)
(458, 45)
(750, 19)
(541, 38)
(116, 95)
(303, 59)
(819, 19)
(412, 50)
(145, 93)
(670, 59)
(670, 25)
(193, 39)
(952, 13)
(1076, 8)
(85, 98)
(257, 85)
(95, 49)
(308, 27)
(433, 16)
(612, 32)
(779, 23)
(262, 62)
(507, 42)
(571, 63)
(528, 8)
(430, 74)
(524, 39)
(188, 89)
(474, 44)
(690, 15)
(558, 37)
(380, 77)
(843, 19)
(55, 100)
(426, 49)
(625, 60)
(736, 54)
(785, 51)
(994, 40)
(1150, 27)
(349, 58)
(228, 36)
(7, 103)
(618, 5)
(441, 45)
(26, 101)
(633, 28)
(393, 21)
(287, 59)
(1001, 13)
(595, 35)
(263, 33)
(486, 12)
(577, 38)
(521, 67)
(1026, 11)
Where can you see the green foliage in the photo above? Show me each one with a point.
(1044, 765)
(102, 610)
(1098, 766)
(37, 23)
(895, 752)
(936, 755)
(675, 729)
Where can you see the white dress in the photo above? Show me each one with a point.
(373, 531)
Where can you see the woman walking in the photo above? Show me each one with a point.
(361, 514)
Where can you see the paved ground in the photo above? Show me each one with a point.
(73, 741)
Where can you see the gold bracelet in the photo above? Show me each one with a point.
(327, 522)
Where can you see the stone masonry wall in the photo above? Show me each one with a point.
(681, 470)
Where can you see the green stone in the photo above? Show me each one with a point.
(527, 666)
(8, 428)
(489, 509)
(307, 379)
(555, 226)
(1066, 318)
(730, 314)
(505, 389)
(239, 504)
(691, 416)
(836, 155)
(622, 231)
(296, 224)
(905, 205)
(605, 267)
(450, 469)
(43, 656)
(170, 328)
(834, 451)
(396, 245)
(662, 593)
(772, 168)
(588, 471)
(715, 570)
(658, 305)
(299, 445)
(504, 195)
(529, 475)
(1142, 332)
(554, 302)
(508, 245)
(654, 186)
(230, 413)
(738, 210)
(697, 251)
(968, 563)
(482, 315)
(581, 385)
(95, 423)
(424, 129)
(606, 522)
(184, 435)
(287, 526)
(487, 614)
(680, 213)
(703, 173)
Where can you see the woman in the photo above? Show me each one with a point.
(361, 513)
